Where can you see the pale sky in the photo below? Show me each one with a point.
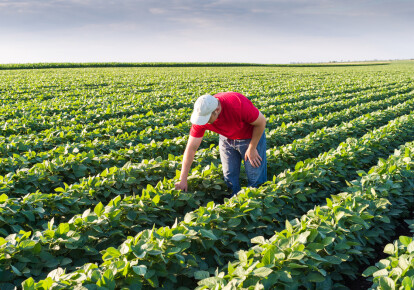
(255, 31)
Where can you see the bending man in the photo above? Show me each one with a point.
(242, 137)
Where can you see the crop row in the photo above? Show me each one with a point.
(79, 100)
(33, 123)
(63, 158)
(329, 241)
(37, 122)
(209, 235)
(47, 139)
(397, 270)
(285, 134)
(280, 158)
(68, 200)
(332, 106)
(322, 140)
(50, 174)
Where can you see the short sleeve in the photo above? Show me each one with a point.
(249, 112)
(197, 131)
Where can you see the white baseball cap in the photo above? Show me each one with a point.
(203, 107)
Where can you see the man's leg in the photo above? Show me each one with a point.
(231, 160)
(257, 175)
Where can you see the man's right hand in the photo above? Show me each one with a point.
(189, 153)
(182, 185)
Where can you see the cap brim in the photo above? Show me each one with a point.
(199, 120)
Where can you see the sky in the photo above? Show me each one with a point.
(251, 31)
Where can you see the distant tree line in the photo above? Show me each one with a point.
(167, 64)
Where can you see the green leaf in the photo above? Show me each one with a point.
(389, 249)
(382, 272)
(315, 277)
(178, 237)
(386, 283)
(199, 275)
(295, 255)
(269, 256)
(258, 240)
(407, 283)
(208, 234)
(405, 240)
(3, 197)
(230, 268)
(16, 271)
(262, 272)
(27, 244)
(329, 202)
(189, 217)
(327, 241)
(63, 229)
(289, 227)
(209, 282)
(242, 256)
(107, 280)
(65, 261)
(153, 281)
(140, 270)
(403, 263)
(234, 222)
(30, 216)
(297, 266)
(410, 247)
(369, 271)
(28, 284)
(298, 165)
(52, 262)
(111, 252)
(315, 246)
(55, 274)
(156, 199)
(361, 172)
(99, 209)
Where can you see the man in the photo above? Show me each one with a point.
(242, 137)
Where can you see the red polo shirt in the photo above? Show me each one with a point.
(237, 112)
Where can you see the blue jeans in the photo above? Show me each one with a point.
(232, 152)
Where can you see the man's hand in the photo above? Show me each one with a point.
(182, 185)
(253, 156)
(251, 153)
(192, 146)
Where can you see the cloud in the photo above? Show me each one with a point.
(47, 15)
(225, 27)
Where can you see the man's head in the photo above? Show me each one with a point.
(203, 109)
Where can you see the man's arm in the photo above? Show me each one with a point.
(251, 154)
(189, 153)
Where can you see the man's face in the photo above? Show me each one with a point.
(213, 116)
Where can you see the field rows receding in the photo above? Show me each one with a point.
(98, 110)
(127, 129)
(12, 163)
(333, 240)
(61, 169)
(59, 229)
(33, 119)
(173, 255)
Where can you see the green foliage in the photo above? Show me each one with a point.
(89, 158)
(397, 270)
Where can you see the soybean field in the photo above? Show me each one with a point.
(90, 155)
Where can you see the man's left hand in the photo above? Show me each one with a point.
(253, 156)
